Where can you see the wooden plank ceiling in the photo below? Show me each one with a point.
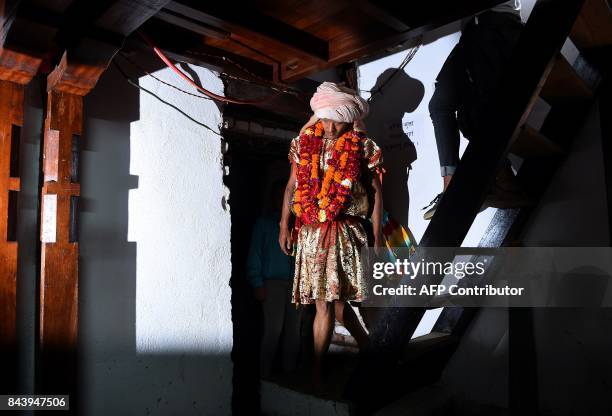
(278, 41)
(271, 40)
(284, 41)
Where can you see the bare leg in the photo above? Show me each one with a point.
(347, 317)
(322, 331)
(446, 180)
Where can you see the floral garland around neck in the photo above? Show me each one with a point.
(317, 201)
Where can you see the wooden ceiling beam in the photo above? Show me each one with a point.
(15, 65)
(86, 55)
(92, 33)
(415, 14)
(252, 23)
(593, 28)
(192, 25)
(186, 45)
(125, 16)
(382, 15)
(422, 19)
(23, 43)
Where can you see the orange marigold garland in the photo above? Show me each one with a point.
(317, 201)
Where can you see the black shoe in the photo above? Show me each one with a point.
(431, 211)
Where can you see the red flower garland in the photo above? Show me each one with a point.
(317, 201)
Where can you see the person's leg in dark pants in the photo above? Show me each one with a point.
(443, 108)
(464, 88)
(273, 316)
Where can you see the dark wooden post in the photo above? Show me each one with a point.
(66, 86)
(16, 70)
(11, 108)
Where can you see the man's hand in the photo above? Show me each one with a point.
(260, 293)
(284, 239)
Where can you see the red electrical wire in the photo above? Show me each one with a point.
(204, 91)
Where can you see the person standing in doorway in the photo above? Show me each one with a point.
(332, 166)
(270, 274)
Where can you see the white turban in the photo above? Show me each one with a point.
(338, 103)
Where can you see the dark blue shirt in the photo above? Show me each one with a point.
(266, 260)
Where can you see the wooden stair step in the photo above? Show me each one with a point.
(564, 85)
(531, 143)
(427, 343)
(593, 27)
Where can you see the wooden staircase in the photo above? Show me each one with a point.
(538, 70)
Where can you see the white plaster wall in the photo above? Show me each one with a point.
(424, 181)
(177, 219)
(155, 315)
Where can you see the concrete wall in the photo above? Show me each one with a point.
(155, 316)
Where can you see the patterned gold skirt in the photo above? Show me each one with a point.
(328, 262)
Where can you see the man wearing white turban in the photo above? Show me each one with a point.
(337, 103)
(333, 165)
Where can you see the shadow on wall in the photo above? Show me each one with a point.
(401, 94)
(107, 261)
(114, 378)
(252, 172)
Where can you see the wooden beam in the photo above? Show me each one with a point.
(382, 15)
(251, 23)
(59, 255)
(564, 85)
(531, 143)
(421, 18)
(182, 43)
(125, 16)
(24, 44)
(546, 30)
(16, 70)
(17, 67)
(81, 78)
(11, 108)
(192, 25)
(414, 15)
(593, 28)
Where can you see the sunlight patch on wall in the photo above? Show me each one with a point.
(177, 219)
